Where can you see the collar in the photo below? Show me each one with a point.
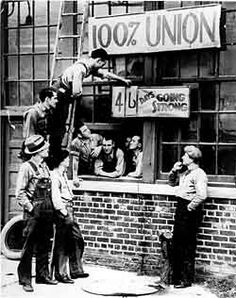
(193, 166)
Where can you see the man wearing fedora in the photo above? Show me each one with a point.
(33, 193)
(191, 191)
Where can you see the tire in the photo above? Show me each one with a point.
(12, 239)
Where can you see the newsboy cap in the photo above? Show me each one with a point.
(193, 152)
(34, 144)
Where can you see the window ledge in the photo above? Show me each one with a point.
(129, 185)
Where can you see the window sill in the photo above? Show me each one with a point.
(132, 185)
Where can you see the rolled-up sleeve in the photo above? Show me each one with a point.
(22, 193)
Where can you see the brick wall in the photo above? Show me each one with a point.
(121, 231)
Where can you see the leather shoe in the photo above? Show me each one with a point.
(182, 285)
(46, 281)
(65, 279)
(79, 275)
(28, 288)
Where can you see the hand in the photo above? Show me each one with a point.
(96, 151)
(189, 208)
(177, 166)
(77, 182)
(128, 82)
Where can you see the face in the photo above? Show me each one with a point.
(127, 142)
(99, 63)
(51, 102)
(85, 132)
(186, 159)
(134, 143)
(65, 163)
(107, 146)
(44, 153)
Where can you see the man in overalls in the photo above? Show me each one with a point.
(33, 193)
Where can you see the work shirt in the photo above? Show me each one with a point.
(192, 185)
(138, 164)
(61, 192)
(103, 159)
(76, 73)
(26, 185)
(82, 149)
(35, 121)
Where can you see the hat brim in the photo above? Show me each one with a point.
(45, 146)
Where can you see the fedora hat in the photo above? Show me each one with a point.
(34, 144)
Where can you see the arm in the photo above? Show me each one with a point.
(22, 195)
(112, 76)
(56, 195)
(78, 76)
(75, 166)
(173, 178)
(200, 183)
(29, 123)
(139, 168)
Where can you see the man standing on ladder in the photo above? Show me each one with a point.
(69, 87)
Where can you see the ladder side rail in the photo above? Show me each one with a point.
(55, 50)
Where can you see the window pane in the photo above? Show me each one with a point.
(26, 40)
(207, 128)
(170, 156)
(227, 160)
(41, 66)
(207, 64)
(169, 130)
(85, 109)
(168, 64)
(40, 12)
(26, 93)
(208, 159)
(227, 127)
(11, 96)
(13, 41)
(188, 65)
(26, 67)
(101, 10)
(54, 10)
(228, 61)
(37, 87)
(194, 96)
(189, 129)
(227, 96)
(41, 40)
(135, 66)
(120, 66)
(208, 96)
(12, 67)
(102, 108)
(12, 12)
(121, 9)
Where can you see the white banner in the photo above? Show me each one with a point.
(151, 102)
(157, 31)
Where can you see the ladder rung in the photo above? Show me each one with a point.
(66, 58)
(65, 14)
(69, 36)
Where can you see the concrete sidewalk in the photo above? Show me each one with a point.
(101, 280)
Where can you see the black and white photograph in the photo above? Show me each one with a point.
(118, 149)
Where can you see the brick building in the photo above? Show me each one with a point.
(120, 218)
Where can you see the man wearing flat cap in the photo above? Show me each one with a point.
(191, 191)
(33, 193)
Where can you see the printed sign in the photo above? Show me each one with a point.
(151, 102)
(157, 31)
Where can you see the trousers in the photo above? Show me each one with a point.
(38, 234)
(184, 242)
(69, 246)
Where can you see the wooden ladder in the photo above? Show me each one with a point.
(68, 49)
